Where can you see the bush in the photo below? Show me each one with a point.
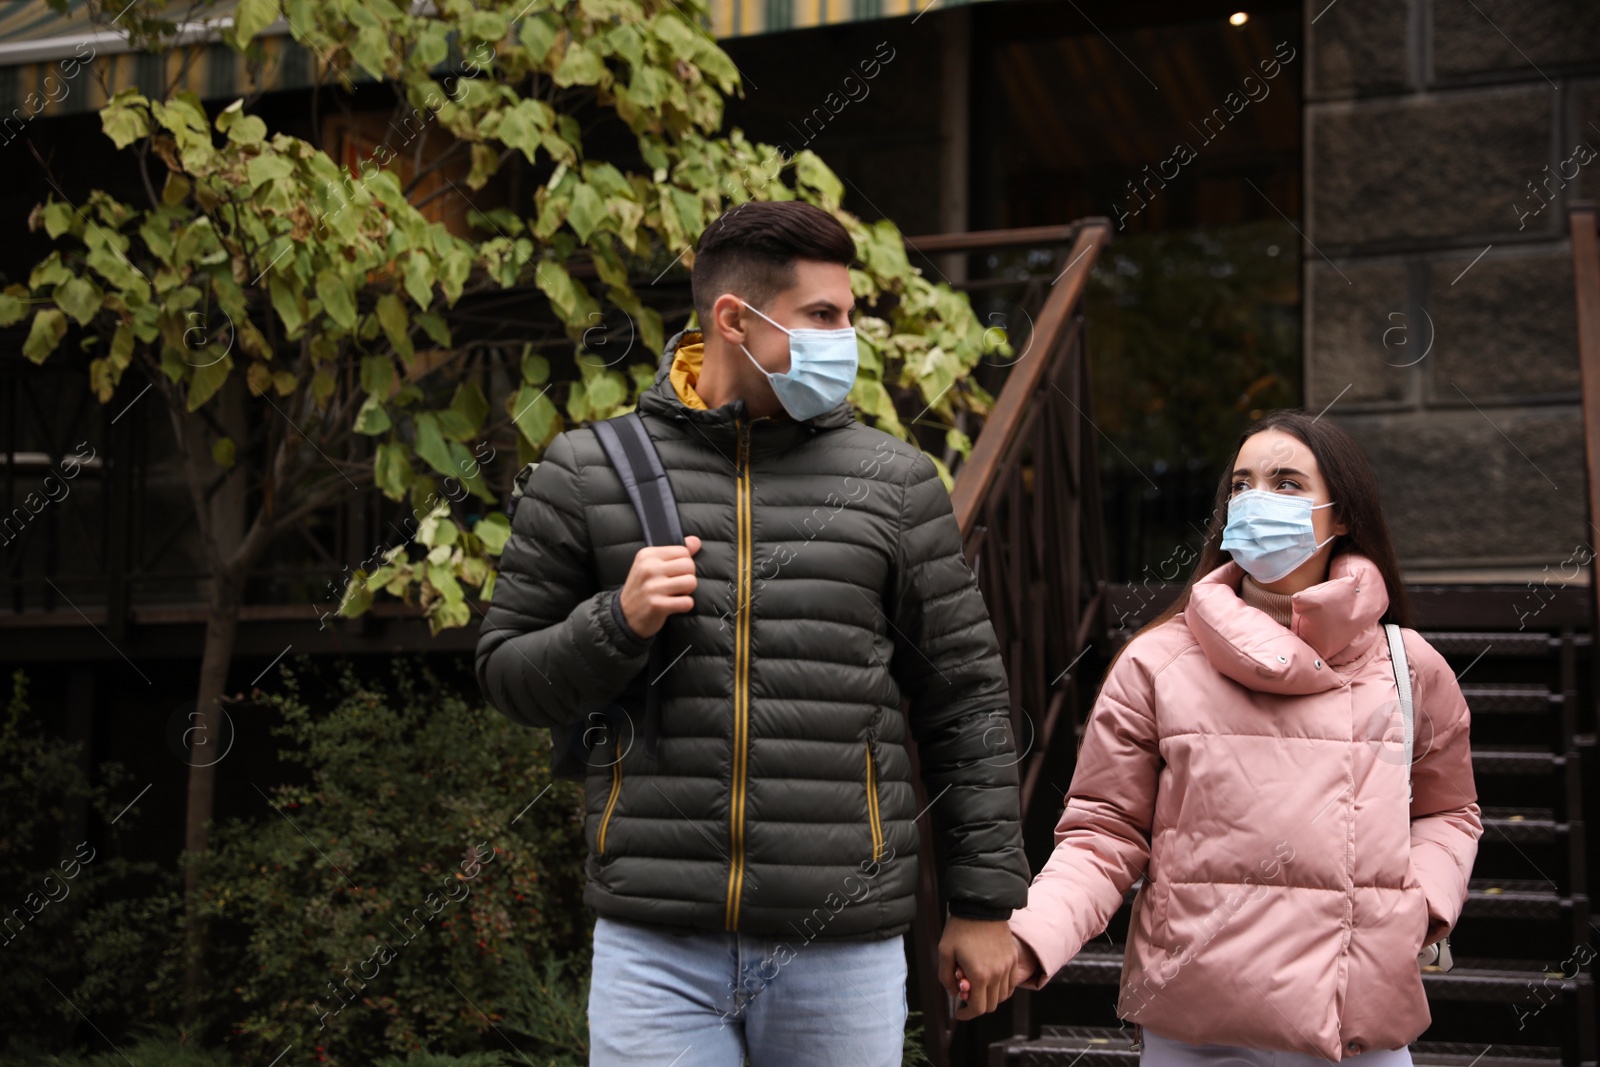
(420, 889)
(53, 876)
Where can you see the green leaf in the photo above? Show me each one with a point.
(248, 130)
(125, 118)
(288, 303)
(377, 375)
(470, 404)
(358, 595)
(539, 34)
(494, 530)
(391, 470)
(372, 419)
(488, 25)
(58, 218)
(396, 326)
(434, 327)
(419, 279)
(250, 18)
(535, 368)
(11, 309)
(454, 267)
(580, 67)
(268, 167)
(533, 412)
(207, 380)
(430, 444)
(522, 126)
(80, 298)
(223, 451)
(49, 327)
(336, 298)
(586, 211)
(50, 271)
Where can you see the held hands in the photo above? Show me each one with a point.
(661, 582)
(1025, 965)
(977, 964)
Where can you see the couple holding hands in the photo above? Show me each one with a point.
(753, 865)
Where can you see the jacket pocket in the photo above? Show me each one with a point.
(611, 805)
(874, 823)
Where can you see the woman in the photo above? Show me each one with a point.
(1245, 755)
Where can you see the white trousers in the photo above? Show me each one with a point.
(1158, 1051)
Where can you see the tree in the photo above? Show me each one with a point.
(337, 291)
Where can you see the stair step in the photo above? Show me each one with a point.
(1494, 698)
(1105, 1046)
(1501, 899)
(1526, 645)
(1507, 760)
(1522, 824)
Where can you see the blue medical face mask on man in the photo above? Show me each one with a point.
(1270, 534)
(822, 368)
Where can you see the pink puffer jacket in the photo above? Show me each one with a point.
(1259, 772)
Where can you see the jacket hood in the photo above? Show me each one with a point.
(662, 399)
(1334, 624)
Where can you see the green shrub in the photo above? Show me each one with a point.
(51, 876)
(420, 889)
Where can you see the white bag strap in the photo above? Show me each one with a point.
(1402, 681)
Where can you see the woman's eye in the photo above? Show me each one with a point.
(1289, 482)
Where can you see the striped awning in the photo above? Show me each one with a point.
(54, 64)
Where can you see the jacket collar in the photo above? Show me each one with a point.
(1334, 623)
(720, 424)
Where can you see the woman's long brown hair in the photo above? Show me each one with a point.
(1353, 488)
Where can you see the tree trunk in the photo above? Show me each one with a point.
(222, 622)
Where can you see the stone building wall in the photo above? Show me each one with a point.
(1439, 314)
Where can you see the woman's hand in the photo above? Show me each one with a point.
(1027, 963)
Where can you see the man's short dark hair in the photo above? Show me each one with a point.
(751, 251)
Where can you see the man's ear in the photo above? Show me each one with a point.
(728, 319)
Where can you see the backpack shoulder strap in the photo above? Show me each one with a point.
(1402, 681)
(637, 462)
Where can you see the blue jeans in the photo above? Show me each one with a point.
(672, 999)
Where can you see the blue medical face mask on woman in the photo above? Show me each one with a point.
(1270, 534)
(822, 368)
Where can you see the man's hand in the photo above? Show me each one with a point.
(661, 582)
(986, 954)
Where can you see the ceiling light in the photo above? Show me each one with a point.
(1238, 18)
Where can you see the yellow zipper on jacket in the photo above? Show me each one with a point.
(741, 681)
(611, 803)
(872, 805)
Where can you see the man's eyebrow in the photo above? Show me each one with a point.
(824, 304)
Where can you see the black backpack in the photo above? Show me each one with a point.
(629, 448)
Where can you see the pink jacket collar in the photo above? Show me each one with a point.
(1333, 624)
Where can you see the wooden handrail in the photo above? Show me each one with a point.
(976, 476)
(976, 239)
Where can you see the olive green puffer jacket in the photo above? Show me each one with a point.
(831, 583)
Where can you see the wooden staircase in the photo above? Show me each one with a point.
(1521, 992)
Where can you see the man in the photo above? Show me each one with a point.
(754, 881)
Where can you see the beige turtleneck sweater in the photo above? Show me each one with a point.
(1278, 605)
